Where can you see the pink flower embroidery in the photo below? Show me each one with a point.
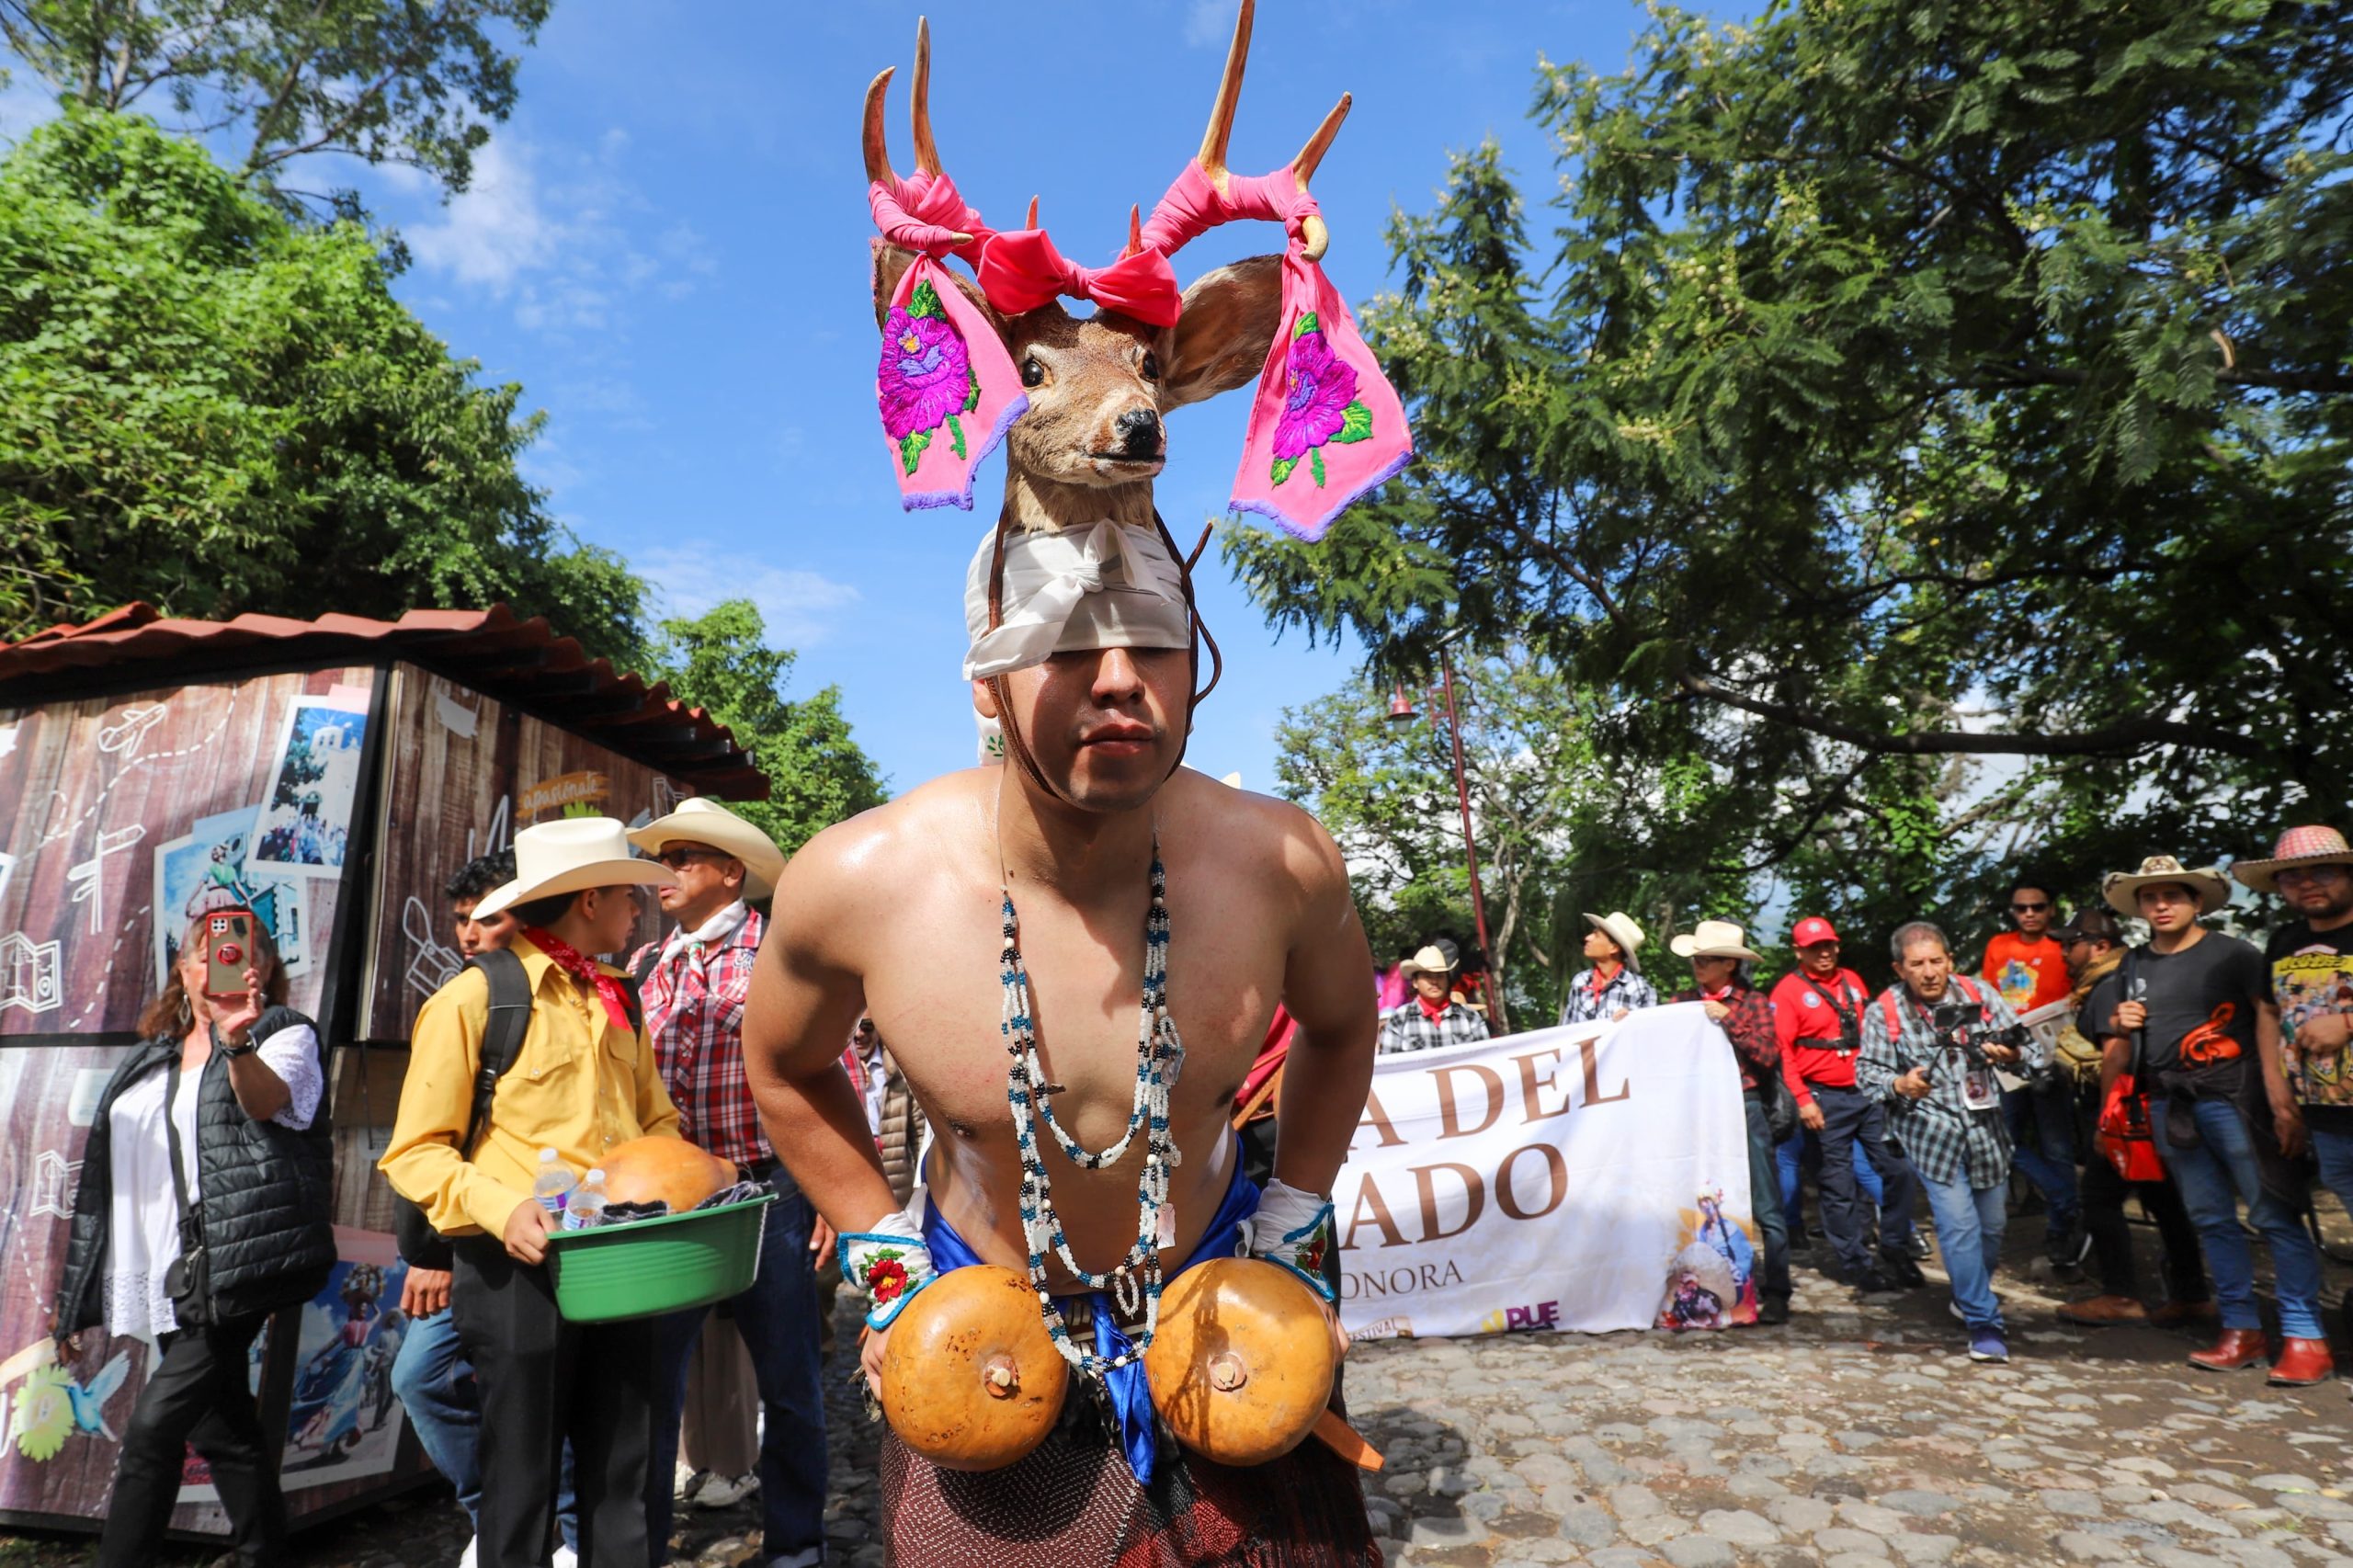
(925, 374)
(1316, 395)
(1320, 402)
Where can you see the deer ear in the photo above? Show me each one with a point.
(891, 264)
(1229, 322)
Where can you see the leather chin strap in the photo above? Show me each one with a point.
(1019, 748)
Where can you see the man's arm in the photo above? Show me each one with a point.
(1875, 1068)
(1330, 1068)
(2287, 1117)
(804, 1002)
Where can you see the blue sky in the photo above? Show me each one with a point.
(666, 245)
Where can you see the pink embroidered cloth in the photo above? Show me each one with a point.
(946, 389)
(1325, 426)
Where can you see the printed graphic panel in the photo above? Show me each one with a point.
(131, 816)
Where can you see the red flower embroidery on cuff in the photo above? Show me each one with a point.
(886, 1279)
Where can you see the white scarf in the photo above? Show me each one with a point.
(711, 933)
(1108, 587)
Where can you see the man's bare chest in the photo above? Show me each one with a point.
(938, 998)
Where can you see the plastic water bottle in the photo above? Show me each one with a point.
(553, 1184)
(586, 1207)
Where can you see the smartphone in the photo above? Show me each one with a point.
(228, 951)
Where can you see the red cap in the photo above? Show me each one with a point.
(1812, 930)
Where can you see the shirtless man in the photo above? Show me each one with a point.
(898, 913)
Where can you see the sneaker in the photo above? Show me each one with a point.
(1773, 1309)
(1987, 1344)
(2068, 1251)
(1900, 1268)
(725, 1492)
(688, 1480)
(1918, 1246)
(1871, 1282)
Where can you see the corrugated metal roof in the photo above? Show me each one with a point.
(493, 651)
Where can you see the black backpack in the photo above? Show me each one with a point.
(508, 1021)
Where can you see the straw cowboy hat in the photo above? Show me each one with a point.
(568, 855)
(2296, 847)
(1713, 940)
(2213, 888)
(1620, 928)
(697, 820)
(1429, 961)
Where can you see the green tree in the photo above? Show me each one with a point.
(1903, 383)
(386, 81)
(1559, 829)
(720, 662)
(212, 408)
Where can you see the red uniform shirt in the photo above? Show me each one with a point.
(1805, 1022)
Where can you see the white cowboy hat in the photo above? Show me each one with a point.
(2213, 888)
(568, 855)
(1713, 940)
(1620, 928)
(1429, 961)
(697, 820)
(2296, 847)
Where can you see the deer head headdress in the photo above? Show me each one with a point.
(1079, 401)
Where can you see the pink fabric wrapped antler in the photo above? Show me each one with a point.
(1325, 425)
(946, 389)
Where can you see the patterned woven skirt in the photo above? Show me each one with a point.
(1073, 1502)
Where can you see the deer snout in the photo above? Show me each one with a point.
(1139, 433)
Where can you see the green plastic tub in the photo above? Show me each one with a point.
(641, 1269)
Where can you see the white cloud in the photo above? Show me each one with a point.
(1208, 23)
(556, 232)
(798, 607)
(495, 230)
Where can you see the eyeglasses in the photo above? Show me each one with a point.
(2310, 874)
(2030, 908)
(677, 860)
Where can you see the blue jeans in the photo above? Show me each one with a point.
(2215, 1178)
(1765, 1203)
(1802, 1150)
(2335, 1153)
(779, 1320)
(436, 1387)
(2043, 1134)
(1970, 1221)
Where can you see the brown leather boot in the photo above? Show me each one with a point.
(2102, 1312)
(2238, 1347)
(2174, 1313)
(2302, 1362)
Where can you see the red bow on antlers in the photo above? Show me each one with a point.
(1021, 270)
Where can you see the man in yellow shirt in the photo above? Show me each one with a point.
(584, 1080)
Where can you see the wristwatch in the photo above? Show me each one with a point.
(231, 1051)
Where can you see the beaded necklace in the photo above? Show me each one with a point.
(1134, 1282)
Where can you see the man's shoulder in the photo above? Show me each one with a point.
(466, 992)
(1242, 825)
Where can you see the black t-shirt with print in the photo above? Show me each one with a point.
(2201, 1001)
(2312, 977)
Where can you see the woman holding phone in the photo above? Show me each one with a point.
(203, 1208)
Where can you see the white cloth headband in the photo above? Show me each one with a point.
(1110, 586)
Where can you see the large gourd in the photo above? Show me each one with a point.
(1241, 1369)
(670, 1169)
(970, 1380)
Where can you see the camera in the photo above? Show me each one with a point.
(1961, 1025)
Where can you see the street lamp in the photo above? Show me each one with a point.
(1401, 710)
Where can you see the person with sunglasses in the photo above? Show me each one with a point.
(696, 981)
(2028, 967)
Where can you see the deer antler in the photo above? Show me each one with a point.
(920, 223)
(1214, 141)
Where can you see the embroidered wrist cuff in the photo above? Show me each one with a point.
(889, 1262)
(1294, 1228)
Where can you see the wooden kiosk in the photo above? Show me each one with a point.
(332, 774)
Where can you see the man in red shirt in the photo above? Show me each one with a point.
(1817, 1020)
(2028, 967)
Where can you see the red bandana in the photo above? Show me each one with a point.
(1600, 982)
(1435, 1010)
(576, 963)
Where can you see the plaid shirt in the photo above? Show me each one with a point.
(1944, 1138)
(1410, 1029)
(1625, 990)
(1750, 1029)
(694, 1014)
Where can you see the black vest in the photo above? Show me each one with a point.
(268, 1193)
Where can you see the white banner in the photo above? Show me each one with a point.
(1593, 1177)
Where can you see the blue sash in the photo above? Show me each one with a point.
(1130, 1394)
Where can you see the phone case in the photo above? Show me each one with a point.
(228, 950)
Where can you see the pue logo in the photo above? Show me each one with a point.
(1508, 1320)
